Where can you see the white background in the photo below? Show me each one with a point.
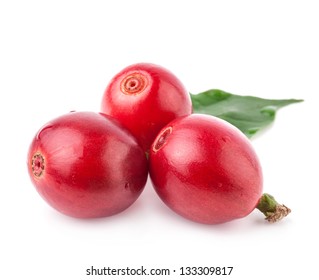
(57, 56)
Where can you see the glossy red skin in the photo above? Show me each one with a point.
(206, 170)
(93, 167)
(146, 111)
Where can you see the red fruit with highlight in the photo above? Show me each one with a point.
(145, 97)
(86, 165)
(205, 169)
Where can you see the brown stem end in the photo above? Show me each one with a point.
(280, 212)
(273, 211)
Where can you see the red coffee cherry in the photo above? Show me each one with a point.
(86, 165)
(145, 97)
(205, 169)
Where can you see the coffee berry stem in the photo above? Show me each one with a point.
(273, 211)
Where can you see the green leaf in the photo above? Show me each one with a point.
(248, 113)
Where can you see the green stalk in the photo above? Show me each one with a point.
(273, 211)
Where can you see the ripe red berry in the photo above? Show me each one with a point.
(86, 165)
(145, 97)
(205, 169)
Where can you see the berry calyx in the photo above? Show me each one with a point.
(37, 164)
(134, 83)
(161, 139)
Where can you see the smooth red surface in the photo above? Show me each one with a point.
(92, 166)
(153, 97)
(205, 170)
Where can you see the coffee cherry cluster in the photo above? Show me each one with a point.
(89, 165)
